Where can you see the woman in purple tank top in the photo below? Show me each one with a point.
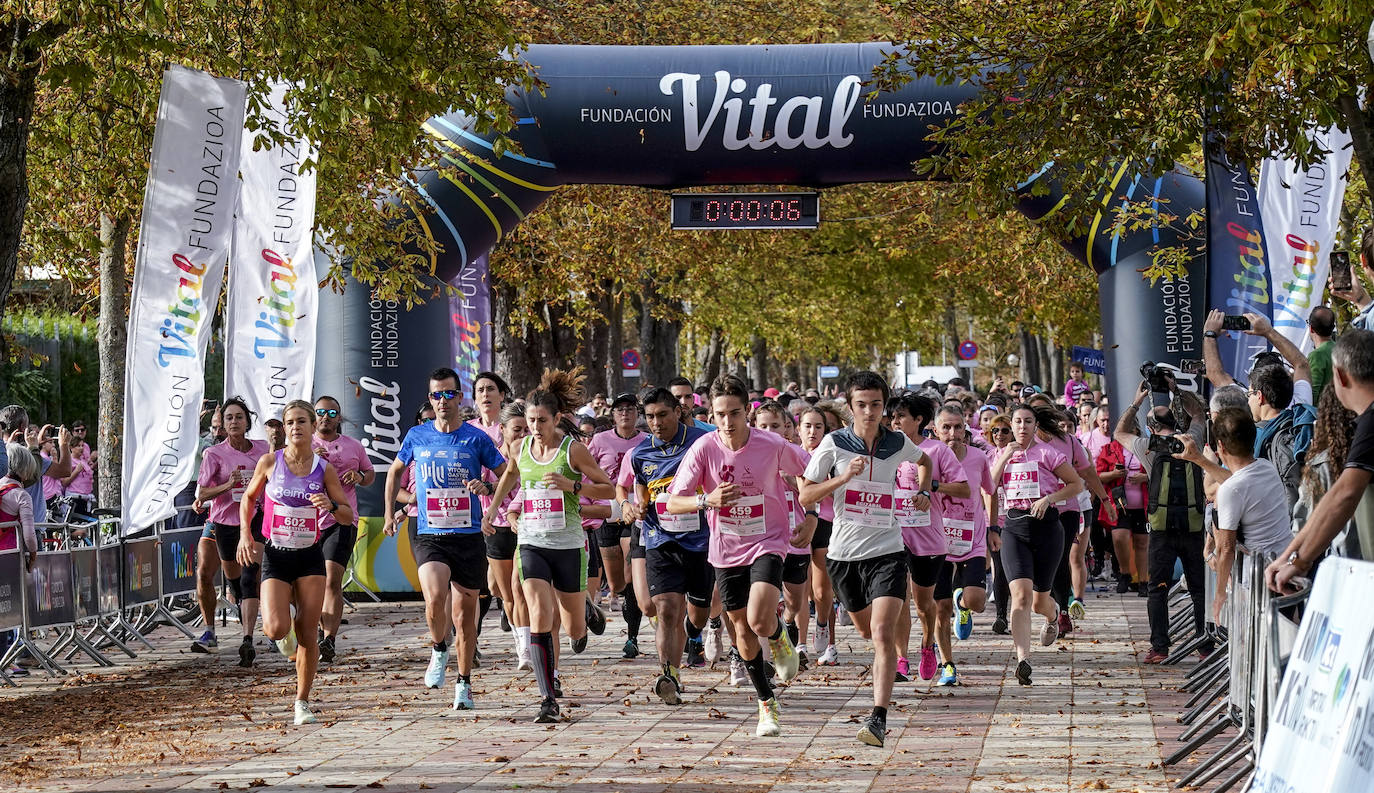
(298, 489)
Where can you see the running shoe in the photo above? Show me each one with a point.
(16, 670)
(476, 655)
(785, 660)
(287, 644)
(802, 661)
(842, 617)
(1142, 589)
(1076, 609)
(948, 676)
(246, 652)
(548, 711)
(630, 650)
(557, 685)
(874, 730)
(739, 676)
(696, 654)
(1155, 657)
(522, 660)
(462, 696)
(205, 644)
(903, 670)
(1123, 585)
(596, 619)
(820, 639)
(963, 624)
(303, 713)
(1050, 631)
(505, 621)
(714, 643)
(831, 657)
(578, 645)
(438, 665)
(768, 718)
(327, 650)
(1023, 672)
(1065, 624)
(668, 688)
(928, 662)
(1000, 627)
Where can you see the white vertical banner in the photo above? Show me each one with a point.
(1301, 210)
(183, 241)
(273, 294)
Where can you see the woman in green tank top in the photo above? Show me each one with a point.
(553, 470)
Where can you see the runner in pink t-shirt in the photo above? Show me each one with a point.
(923, 532)
(1034, 476)
(739, 472)
(354, 469)
(772, 417)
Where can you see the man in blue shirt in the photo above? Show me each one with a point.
(680, 578)
(682, 391)
(451, 555)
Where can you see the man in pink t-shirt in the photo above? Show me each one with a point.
(739, 473)
(350, 460)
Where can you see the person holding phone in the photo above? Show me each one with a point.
(1353, 290)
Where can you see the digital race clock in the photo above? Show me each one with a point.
(746, 210)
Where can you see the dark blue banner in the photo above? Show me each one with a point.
(1237, 261)
(1094, 362)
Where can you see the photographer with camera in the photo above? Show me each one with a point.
(1280, 403)
(1176, 502)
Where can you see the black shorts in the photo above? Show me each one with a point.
(821, 537)
(608, 535)
(501, 545)
(735, 583)
(593, 555)
(1031, 548)
(226, 538)
(859, 583)
(565, 568)
(795, 567)
(672, 568)
(288, 565)
(1071, 520)
(925, 570)
(337, 543)
(463, 554)
(1133, 520)
(637, 542)
(972, 572)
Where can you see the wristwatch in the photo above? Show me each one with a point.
(1211, 334)
(816, 513)
(925, 493)
(934, 485)
(701, 501)
(577, 487)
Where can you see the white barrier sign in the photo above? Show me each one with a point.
(1321, 727)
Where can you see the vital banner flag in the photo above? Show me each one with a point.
(188, 214)
(1237, 262)
(273, 294)
(471, 340)
(1301, 208)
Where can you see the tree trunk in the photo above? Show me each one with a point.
(792, 373)
(1358, 122)
(1043, 348)
(16, 108)
(713, 357)
(511, 350)
(112, 344)
(758, 362)
(658, 339)
(1055, 355)
(615, 342)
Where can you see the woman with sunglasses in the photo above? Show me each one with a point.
(354, 468)
(1035, 476)
(553, 470)
(997, 431)
(299, 489)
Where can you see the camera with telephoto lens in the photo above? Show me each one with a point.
(1166, 444)
(1159, 377)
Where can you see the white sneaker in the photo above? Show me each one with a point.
(522, 660)
(785, 660)
(287, 644)
(739, 676)
(438, 665)
(768, 719)
(715, 643)
(830, 657)
(1050, 631)
(462, 696)
(820, 639)
(303, 713)
(842, 617)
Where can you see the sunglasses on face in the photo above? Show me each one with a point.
(1000, 430)
(330, 412)
(426, 419)
(445, 394)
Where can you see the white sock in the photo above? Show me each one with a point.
(522, 639)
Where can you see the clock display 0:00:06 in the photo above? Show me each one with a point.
(749, 210)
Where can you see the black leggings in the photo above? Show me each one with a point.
(1001, 590)
(1069, 520)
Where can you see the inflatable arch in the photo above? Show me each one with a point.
(679, 116)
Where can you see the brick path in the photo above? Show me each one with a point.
(177, 721)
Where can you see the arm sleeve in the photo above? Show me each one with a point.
(822, 462)
(407, 452)
(1228, 506)
(490, 457)
(1302, 392)
(795, 460)
(985, 473)
(1361, 453)
(209, 469)
(953, 469)
(625, 477)
(689, 473)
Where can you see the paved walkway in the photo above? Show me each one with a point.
(173, 720)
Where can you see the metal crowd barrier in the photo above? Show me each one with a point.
(91, 589)
(1234, 686)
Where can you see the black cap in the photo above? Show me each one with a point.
(624, 399)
